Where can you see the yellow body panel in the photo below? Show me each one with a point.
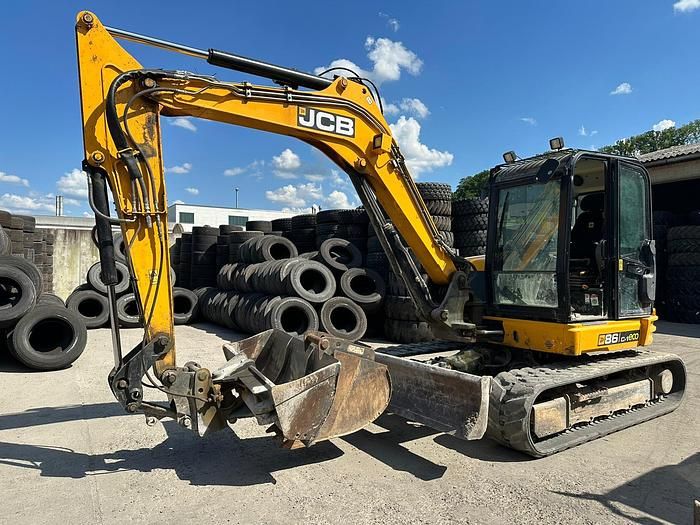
(478, 261)
(575, 338)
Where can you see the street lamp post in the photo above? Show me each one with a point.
(236, 198)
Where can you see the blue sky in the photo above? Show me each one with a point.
(463, 82)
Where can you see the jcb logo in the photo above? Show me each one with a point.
(326, 121)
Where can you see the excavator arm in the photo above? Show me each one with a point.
(121, 107)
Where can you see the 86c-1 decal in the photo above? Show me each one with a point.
(618, 337)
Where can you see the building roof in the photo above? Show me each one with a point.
(671, 153)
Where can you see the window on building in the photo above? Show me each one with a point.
(237, 220)
(186, 217)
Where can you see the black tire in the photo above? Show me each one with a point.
(341, 317)
(470, 222)
(684, 259)
(283, 224)
(5, 219)
(28, 223)
(92, 307)
(5, 242)
(50, 299)
(119, 247)
(434, 191)
(448, 237)
(311, 281)
(694, 217)
(357, 216)
(684, 246)
(267, 248)
(378, 261)
(470, 206)
(27, 267)
(294, 316)
(48, 338)
(349, 231)
(470, 238)
(128, 312)
(329, 229)
(407, 331)
(327, 217)
(94, 277)
(439, 207)
(373, 245)
(184, 306)
(258, 226)
(300, 222)
(225, 229)
(683, 232)
(363, 286)
(241, 237)
(443, 222)
(17, 295)
(204, 231)
(203, 258)
(472, 251)
(339, 255)
(400, 307)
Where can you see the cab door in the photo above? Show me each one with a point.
(634, 248)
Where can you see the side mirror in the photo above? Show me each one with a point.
(647, 284)
(546, 171)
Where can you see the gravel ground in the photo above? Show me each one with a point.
(69, 454)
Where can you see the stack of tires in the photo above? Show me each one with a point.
(438, 199)
(326, 226)
(40, 332)
(222, 244)
(469, 223)
(203, 268)
(281, 226)
(682, 294)
(184, 270)
(236, 240)
(663, 220)
(303, 232)
(352, 226)
(259, 226)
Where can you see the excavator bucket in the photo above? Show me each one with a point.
(308, 389)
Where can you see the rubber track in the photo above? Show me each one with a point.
(511, 404)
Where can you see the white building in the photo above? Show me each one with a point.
(189, 215)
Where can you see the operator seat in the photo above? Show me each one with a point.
(588, 228)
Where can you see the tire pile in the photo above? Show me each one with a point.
(682, 286)
(469, 223)
(20, 237)
(89, 300)
(269, 285)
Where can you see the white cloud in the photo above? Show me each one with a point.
(22, 204)
(183, 122)
(393, 24)
(686, 6)
(180, 170)
(339, 180)
(338, 199)
(623, 89)
(192, 191)
(314, 177)
(582, 131)
(410, 106)
(419, 157)
(594, 132)
(13, 179)
(287, 160)
(529, 120)
(296, 196)
(663, 125)
(232, 172)
(73, 183)
(388, 59)
(280, 174)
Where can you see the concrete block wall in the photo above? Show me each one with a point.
(73, 254)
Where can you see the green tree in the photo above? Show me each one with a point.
(656, 140)
(472, 186)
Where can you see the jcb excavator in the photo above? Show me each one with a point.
(549, 324)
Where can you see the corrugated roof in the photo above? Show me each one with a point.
(669, 153)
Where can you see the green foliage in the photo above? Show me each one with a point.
(472, 186)
(656, 140)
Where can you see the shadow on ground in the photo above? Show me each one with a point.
(666, 494)
(197, 460)
(683, 330)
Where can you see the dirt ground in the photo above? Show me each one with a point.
(68, 454)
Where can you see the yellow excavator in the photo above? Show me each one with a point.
(549, 325)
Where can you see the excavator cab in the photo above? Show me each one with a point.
(570, 239)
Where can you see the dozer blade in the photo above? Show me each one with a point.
(309, 389)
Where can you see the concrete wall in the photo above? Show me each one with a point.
(73, 254)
